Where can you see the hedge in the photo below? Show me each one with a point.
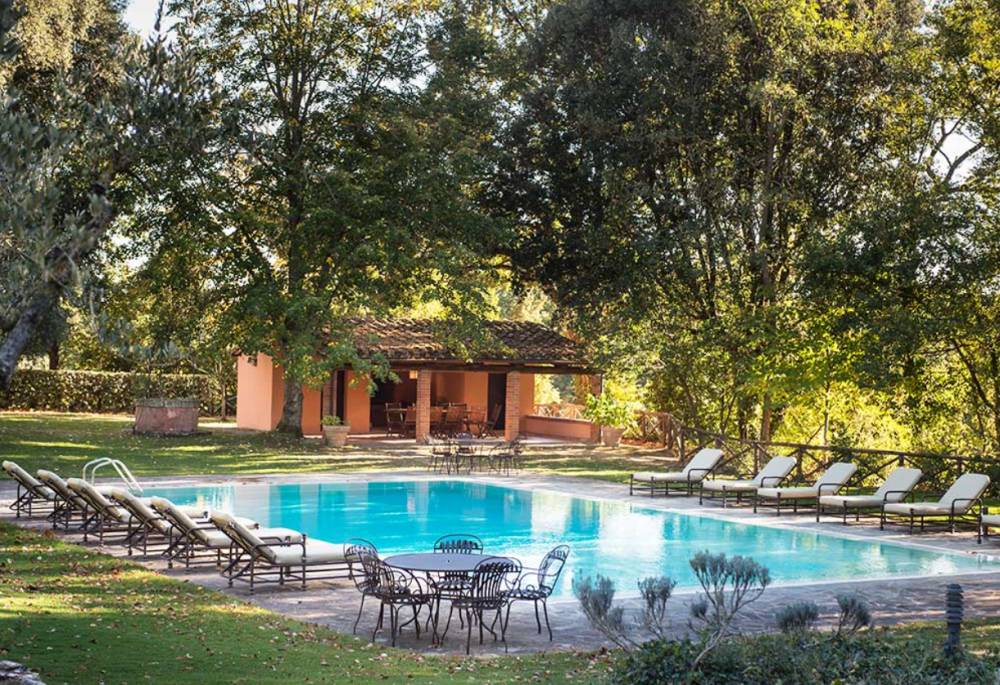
(94, 391)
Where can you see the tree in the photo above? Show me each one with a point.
(340, 187)
(674, 159)
(71, 168)
(916, 276)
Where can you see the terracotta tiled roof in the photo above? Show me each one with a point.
(431, 340)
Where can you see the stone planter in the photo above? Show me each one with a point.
(611, 436)
(162, 416)
(336, 436)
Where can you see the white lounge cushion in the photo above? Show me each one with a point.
(809, 492)
(991, 520)
(317, 552)
(963, 493)
(833, 479)
(15, 471)
(851, 501)
(920, 509)
(730, 485)
(694, 472)
(895, 488)
(216, 539)
(774, 471)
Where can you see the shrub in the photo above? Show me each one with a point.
(817, 659)
(797, 617)
(93, 391)
(854, 614)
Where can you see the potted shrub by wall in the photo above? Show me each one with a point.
(613, 416)
(335, 431)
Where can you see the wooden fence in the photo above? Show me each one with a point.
(744, 456)
(557, 410)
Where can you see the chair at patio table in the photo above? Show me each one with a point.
(410, 421)
(396, 589)
(358, 553)
(437, 421)
(537, 585)
(487, 593)
(454, 418)
(475, 421)
(490, 428)
(394, 419)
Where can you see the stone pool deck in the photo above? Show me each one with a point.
(894, 600)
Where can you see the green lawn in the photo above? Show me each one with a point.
(65, 442)
(84, 618)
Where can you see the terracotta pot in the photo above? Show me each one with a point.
(336, 436)
(611, 436)
(164, 416)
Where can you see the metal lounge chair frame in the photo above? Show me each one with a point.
(967, 515)
(29, 491)
(820, 488)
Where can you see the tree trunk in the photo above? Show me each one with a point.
(765, 419)
(54, 357)
(291, 411)
(24, 330)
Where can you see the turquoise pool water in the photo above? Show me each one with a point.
(622, 540)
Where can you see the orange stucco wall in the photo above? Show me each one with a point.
(258, 386)
(357, 404)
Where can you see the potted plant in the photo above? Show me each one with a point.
(335, 431)
(612, 415)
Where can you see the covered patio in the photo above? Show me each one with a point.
(495, 381)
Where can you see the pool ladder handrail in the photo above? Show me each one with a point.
(120, 468)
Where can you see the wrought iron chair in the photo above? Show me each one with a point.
(359, 552)
(398, 590)
(458, 543)
(487, 593)
(537, 585)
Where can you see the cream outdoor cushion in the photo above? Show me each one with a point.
(216, 539)
(699, 466)
(899, 483)
(317, 552)
(991, 520)
(27, 480)
(788, 493)
(963, 493)
(776, 469)
(730, 485)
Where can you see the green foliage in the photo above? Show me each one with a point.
(797, 617)
(606, 410)
(331, 420)
(96, 391)
(815, 659)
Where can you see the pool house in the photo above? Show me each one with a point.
(498, 379)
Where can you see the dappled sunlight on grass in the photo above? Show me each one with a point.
(89, 619)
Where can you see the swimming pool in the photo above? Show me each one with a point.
(621, 540)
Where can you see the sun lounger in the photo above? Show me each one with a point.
(896, 488)
(955, 505)
(986, 521)
(830, 482)
(264, 557)
(191, 536)
(69, 504)
(107, 516)
(700, 465)
(29, 491)
(145, 524)
(774, 472)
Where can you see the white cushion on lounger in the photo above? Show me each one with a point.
(774, 470)
(899, 483)
(317, 552)
(699, 466)
(730, 485)
(991, 520)
(27, 480)
(216, 539)
(963, 493)
(788, 493)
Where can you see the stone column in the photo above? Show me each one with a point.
(596, 387)
(512, 409)
(423, 404)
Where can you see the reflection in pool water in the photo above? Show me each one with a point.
(621, 540)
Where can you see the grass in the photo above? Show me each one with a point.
(83, 618)
(65, 442)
